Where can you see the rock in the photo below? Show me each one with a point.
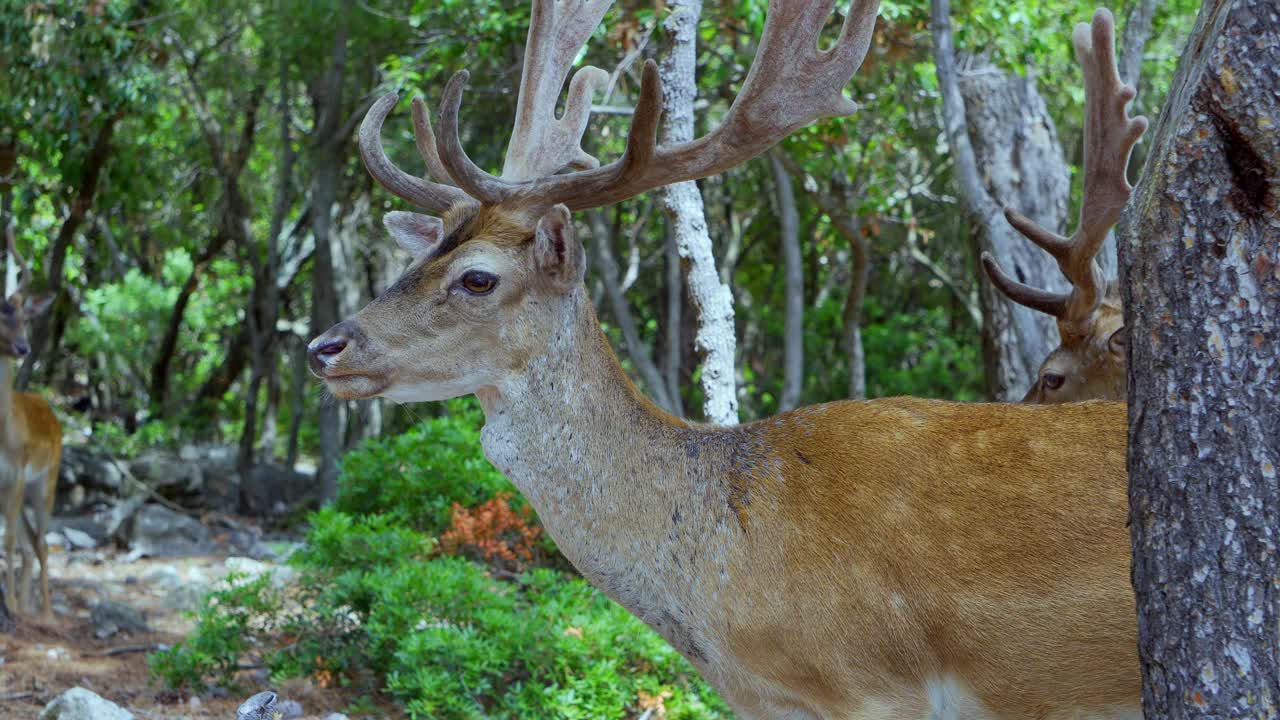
(268, 487)
(80, 704)
(161, 532)
(258, 707)
(92, 470)
(252, 569)
(55, 540)
(289, 710)
(109, 617)
(87, 525)
(79, 539)
(186, 597)
(165, 576)
(172, 477)
(336, 716)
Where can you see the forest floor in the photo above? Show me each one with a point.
(41, 660)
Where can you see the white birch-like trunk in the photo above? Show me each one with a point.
(712, 300)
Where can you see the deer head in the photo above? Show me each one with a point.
(17, 310)
(1089, 363)
(500, 269)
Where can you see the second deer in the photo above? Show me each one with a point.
(30, 450)
(1089, 363)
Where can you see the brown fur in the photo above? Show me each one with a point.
(889, 558)
(30, 455)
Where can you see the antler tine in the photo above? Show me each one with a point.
(540, 143)
(1046, 301)
(1109, 137)
(430, 196)
(791, 84)
(424, 137)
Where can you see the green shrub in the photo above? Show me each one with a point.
(378, 607)
(418, 475)
(229, 622)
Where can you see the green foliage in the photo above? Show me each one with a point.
(377, 606)
(226, 630)
(418, 475)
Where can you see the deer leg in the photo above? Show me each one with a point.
(39, 544)
(12, 509)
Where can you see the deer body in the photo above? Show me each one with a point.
(896, 558)
(847, 560)
(30, 451)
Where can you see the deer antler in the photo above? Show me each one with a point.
(790, 84)
(1109, 137)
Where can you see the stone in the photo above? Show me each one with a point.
(109, 618)
(187, 596)
(268, 487)
(259, 707)
(80, 704)
(158, 531)
(79, 539)
(172, 477)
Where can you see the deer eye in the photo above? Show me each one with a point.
(1053, 381)
(478, 282)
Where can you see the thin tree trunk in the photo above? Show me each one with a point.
(298, 401)
(674, 344)
(169, 341)
(264, 300)
(81, 202)
(639, 353)
(324, 296)
(712, 300)
(1020, 157)
(793, 269)
(1199, 251)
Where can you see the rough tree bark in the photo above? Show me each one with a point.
(793, 269)
(711, 299)
(1200, 255)
(1006, 152)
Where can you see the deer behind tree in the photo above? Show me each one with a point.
(1089, 362)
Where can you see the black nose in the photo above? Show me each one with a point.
(21, 349)
(321, 352)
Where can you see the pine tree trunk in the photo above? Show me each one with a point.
(712, 300)
(1200, 256)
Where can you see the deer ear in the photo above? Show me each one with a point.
(417, 234)
(36, 305)
(1118, 341)
(557, 251)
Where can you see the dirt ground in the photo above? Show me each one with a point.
(41, 660)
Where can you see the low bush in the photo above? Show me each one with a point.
(462, 626)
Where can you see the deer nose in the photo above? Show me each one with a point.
(21, 349)
(325, 348)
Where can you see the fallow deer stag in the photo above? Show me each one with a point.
(1089, 362)
(30, 448)
(891, 558)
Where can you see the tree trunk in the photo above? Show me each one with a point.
(639, 353)
(793, 269)
(1200, 253)
(324, 291)
(712, 300)
(1006, 152)
(674, 342)
(81, 201)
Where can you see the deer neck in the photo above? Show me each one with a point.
(639, 501)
